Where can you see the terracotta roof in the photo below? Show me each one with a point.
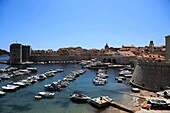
(127, 53)
(153, 56)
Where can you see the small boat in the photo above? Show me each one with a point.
(10, 88)
(119, 80)
(38, 97)
(158, 102)
(165, 93)
(79, 97)
(101, 101)
(53, 87)
(46, 94)
(136, 90)
(2, 93)
(33, 70)
(20, 84)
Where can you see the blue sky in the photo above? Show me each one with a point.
(51, 24)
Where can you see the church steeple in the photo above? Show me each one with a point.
(106, 46)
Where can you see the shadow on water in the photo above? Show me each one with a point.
(26, 107)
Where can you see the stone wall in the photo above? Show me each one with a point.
(152, 75)
(46, 58)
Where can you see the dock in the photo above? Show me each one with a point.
(105, 101)
(120, 106)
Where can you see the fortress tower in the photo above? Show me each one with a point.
(15, 53)
(153, 74)
(19, 53)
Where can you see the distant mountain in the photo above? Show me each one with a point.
(4, 52)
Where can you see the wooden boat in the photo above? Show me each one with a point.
(79, 97)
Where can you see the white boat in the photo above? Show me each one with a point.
(33, 70)
(79, 97)
(46, 94)
(119, 80)
(10, 88)
(2, 93)
(20, 84)
(136, 90)
(101, 101)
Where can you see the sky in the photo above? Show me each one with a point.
(53, 24)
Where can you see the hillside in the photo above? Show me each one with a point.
(3, 52)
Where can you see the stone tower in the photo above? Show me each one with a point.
(19, 53)
(16, 53)
(167, 45)
(151, 46)
(106, 47)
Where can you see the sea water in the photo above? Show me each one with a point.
(22, 101)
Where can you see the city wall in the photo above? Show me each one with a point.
(46, 58)
(151, 75)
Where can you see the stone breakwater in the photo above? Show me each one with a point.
(151, 75)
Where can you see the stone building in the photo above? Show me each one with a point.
(15, 53)
(19, 53)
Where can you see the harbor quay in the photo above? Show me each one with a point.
(110, 77)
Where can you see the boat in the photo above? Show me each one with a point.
(116, 66)
(31, 69)
(165, 93)
(53, 87)
(20, 84)
(10, 88)
(119, 80)
(136, 90)
(46, 94)
(158, 102)
(79, 97)
(38, 97)
(100, 102)
(2, 93)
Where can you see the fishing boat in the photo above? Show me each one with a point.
(79, 97)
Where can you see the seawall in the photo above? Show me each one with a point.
(151, 75)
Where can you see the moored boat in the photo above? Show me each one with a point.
(46, 94)
(79, 97)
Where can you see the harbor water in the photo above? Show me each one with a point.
(23, 101)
